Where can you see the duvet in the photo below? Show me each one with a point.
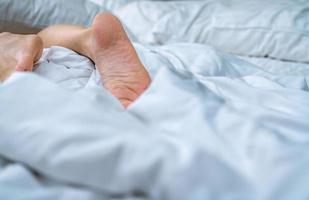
(210, 126)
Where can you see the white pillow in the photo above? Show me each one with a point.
(262, 28)
(29, 16)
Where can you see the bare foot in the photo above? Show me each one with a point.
(121, 70)
(18, 52)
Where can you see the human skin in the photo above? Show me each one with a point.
(105, 43)
(18, 53)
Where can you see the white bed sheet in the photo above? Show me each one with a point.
(211, 126)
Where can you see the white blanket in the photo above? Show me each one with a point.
(210, 126)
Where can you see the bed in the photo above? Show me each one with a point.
(225, 117)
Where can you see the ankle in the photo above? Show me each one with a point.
(85, 43)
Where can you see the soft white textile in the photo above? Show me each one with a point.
(210, 126)
(277, 28)
(30, 16)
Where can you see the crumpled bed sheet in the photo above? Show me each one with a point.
(210, 126)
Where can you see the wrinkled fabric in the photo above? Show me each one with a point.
(261, 28)
(210, 126)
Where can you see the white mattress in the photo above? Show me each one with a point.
(210, 126)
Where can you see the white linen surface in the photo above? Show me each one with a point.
(210, 126)
(277, 28)
(30, 16)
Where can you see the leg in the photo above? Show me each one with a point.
(18, 52)
(107, 44)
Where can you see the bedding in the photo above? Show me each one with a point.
(30, 16)
(212, 125)
(260, 28)
(213, 134)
